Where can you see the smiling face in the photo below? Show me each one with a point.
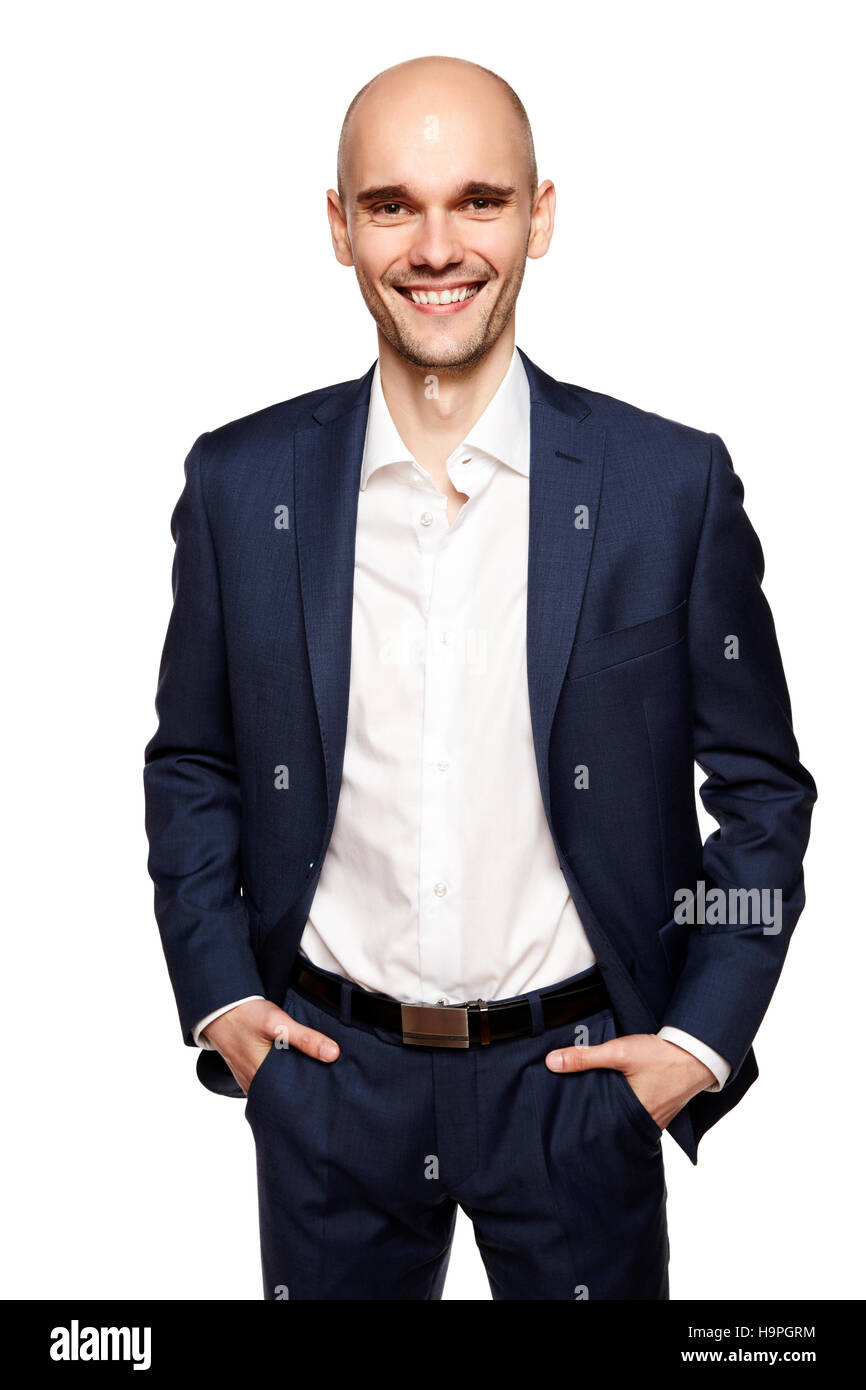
(437, 213)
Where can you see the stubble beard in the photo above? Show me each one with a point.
(451, 357)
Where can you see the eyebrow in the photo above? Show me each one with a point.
(402, 193)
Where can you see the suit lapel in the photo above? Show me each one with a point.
(327, 478)
(565, 474)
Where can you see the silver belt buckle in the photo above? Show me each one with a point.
(435, 1025)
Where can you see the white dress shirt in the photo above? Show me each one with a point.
(441, 881)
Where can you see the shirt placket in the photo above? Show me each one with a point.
(438, 866)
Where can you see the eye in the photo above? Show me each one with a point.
(390, 209)
(489, 204)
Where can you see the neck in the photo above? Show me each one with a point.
(433, 408)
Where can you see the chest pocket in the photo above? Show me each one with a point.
(627, 643)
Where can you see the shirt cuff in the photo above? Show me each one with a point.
(204, 1043)
(718, 1066)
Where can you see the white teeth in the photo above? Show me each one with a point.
(446, 297)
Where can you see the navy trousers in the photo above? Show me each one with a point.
(362, 1163)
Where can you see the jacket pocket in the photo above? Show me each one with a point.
(626, 643)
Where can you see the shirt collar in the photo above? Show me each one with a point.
(502, 430)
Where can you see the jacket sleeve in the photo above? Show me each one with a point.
(755, 788)
(192, 797)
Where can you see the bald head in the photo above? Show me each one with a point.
(445, 89)
(438, 209)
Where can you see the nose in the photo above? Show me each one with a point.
(436, 243)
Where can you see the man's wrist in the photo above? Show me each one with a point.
(717, 1065)
(199, 1036)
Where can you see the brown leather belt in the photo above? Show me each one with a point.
(475, 1023)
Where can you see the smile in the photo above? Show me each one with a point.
(448, 300)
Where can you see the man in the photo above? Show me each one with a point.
(446, 642)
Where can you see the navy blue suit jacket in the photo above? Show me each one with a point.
(628, 616)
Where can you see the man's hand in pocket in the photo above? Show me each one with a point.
(663, 1075)
(244, 1037)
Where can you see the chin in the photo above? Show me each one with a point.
(442, 356)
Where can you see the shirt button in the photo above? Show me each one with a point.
(440, 889)
(443, 764)
(426, 518)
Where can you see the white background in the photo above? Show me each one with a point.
(168, 268)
